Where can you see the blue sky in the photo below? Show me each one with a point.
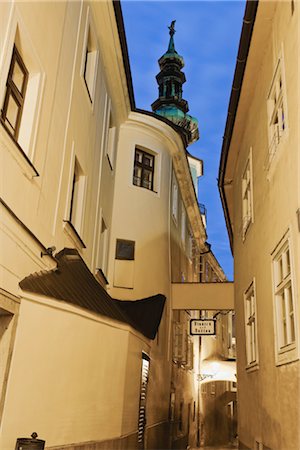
(207, 36)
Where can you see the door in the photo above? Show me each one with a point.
(143, 398)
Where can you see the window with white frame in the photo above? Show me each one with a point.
(276, 105)
(143, 170)
(251, 326)
(247, 202)
(22, 96)
(90, 60)
(77, 198)
(174, 199)
(284, 299)
(16, 85)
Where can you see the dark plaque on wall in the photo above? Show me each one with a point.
(125, 249)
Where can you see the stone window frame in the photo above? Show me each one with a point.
(286, 333)
(247, 195)
(251, 338)
(277, 111)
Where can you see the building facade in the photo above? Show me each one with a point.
(259, 185)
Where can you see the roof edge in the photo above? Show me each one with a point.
(242, 56)
(124, 48)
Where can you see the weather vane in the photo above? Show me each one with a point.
(172, 28)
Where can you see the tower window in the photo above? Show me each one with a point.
(143, 173)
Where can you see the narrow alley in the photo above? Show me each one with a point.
(121, 326)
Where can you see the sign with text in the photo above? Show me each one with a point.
(203, 327)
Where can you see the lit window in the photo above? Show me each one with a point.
(284, 300)
(276, 111)
(250, 324)
(16, 85)
(143, 173)
(247, 215)
(90, 64)
(77, 199)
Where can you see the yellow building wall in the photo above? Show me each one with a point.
(268, 395)
(69, 395)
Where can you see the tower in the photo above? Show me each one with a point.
(170, 79)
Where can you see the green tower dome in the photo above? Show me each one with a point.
(170, 103)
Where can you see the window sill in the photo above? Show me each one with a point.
(175, 220)
(101, 278)
(18, 153)
(246, 229)
(109, 162)
(287, 355)
(252, 367)
(143, 189)
(272, 160)
(72, 233)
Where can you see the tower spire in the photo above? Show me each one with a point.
(171, 47)
(170, 79)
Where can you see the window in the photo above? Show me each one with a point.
(180, 418)
(284, 300)
(276, 110)
(77, 198)
(143, 400)
(15, 94)
(90, 62)
(247, 214)
(190, 354)
(208, 272)
(143, 173)
(183, 226)
(111, 141)
(174, 199)
(190, 245)
(180, 343)
(103, 248)
(250, 325)
(201, 269)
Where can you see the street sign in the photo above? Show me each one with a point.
(203, 327)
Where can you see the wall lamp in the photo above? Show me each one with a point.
(202, 376)
(48, 251)
(208, 246)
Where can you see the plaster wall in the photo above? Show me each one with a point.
(268, 393)
(51, 38)
(68, 396)
(141, 215)
(66, 376)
